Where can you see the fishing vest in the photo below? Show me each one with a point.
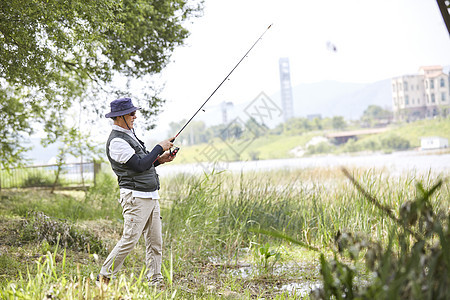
(146, 181)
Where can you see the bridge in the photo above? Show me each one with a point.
(342, 137)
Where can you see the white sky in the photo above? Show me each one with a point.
(375, 40)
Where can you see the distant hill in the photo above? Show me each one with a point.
(327, 98)
(331, 98)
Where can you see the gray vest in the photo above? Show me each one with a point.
(146, 181)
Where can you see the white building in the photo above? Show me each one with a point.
(422, 95)
(433, 142)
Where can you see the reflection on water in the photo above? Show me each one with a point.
(395, 163)
(301, 289)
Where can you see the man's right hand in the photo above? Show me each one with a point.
(167, 144)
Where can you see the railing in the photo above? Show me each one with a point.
(66, 176)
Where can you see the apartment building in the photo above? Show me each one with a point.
(422, 95)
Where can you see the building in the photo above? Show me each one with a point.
(422, 95)
(433, 142)
(287, 102)
(224, 106)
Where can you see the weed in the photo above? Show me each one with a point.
(262, 256)
(417, 271)
(43, 228)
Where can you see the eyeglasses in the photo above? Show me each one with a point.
(132, 114)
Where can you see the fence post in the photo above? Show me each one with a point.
(97, 166)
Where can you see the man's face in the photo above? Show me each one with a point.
(129, 118)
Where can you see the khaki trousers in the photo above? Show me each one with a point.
(141, 217)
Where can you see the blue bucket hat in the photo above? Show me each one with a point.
(121, 107)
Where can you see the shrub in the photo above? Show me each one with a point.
(37, 180)
(352, 146)
(417, 271)
(323, 147)
(43, 228)
(370, 144)
(395, 142)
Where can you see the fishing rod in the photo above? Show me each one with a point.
(245, 55)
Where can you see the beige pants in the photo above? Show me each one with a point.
(141, 216)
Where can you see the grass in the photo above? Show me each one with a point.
(206, 227)
(279, 146)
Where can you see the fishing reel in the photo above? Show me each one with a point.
(173, 151)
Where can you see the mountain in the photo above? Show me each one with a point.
(327, 98)
(331, 98)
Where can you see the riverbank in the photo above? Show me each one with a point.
(395, 163)
(211, 248)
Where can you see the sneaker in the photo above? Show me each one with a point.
(157, 284)
(102, 280)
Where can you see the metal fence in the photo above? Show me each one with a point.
(66, 176)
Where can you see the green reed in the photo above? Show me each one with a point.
(211, 214)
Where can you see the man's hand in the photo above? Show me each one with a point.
(167, 144)
(165, 157)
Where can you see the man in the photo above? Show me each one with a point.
(139, 185)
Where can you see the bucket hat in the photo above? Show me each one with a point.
(121, 107)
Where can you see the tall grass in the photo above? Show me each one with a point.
(211, 214)
(207, 219)
(99, 202)
(53, 281)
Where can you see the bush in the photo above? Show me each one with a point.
(38, 180)
(43, 228)
(370, 144)
(254, 155)
(323, 147)
(352, 146)
(395, 142)
(417, 271)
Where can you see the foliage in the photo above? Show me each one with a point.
(274, 146)
(415, 271)
(254, 155)
(395, 142)
(53, 279)
(320, 148)
(375, 114)
(338, 122)
(56, 53)
(212, 223)
(263, 255)
(99, 202)
(211, 215)
(27, 177)
(37, 180)
(40, 227)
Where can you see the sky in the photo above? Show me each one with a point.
(375, 40)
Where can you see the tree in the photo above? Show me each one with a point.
(338, 122)
(374, 114)
(54, 53)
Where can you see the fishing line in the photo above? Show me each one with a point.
(243, 57)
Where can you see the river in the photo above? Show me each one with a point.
(395, 163)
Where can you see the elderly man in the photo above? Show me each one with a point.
(139, 185)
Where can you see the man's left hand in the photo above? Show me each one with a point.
(165, 157)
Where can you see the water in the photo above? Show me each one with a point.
(395, 163)
(301, 289)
